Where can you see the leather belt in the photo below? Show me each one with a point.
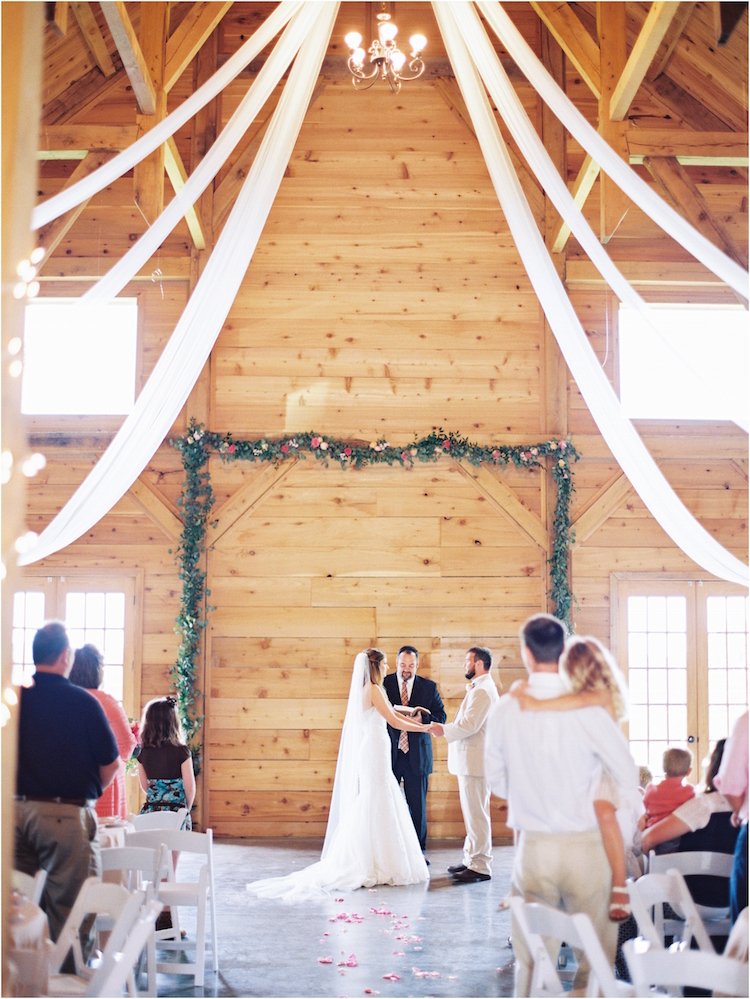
(79, 802)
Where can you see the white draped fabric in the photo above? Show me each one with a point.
(167, 389)
(621, 172)
(457, 23)
(87, 187)
(188, 349)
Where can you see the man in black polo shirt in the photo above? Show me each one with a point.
(67, 755)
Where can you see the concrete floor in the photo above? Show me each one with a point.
(441, 939)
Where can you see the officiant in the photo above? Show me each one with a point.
(411, 752)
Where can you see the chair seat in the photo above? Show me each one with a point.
(175, 893)
(67, 985)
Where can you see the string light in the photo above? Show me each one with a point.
(15, 368)
(26, 542)
(14, 345)
(33, 464)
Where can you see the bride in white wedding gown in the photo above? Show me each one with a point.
(370, 838)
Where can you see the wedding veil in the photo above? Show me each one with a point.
(346, 779)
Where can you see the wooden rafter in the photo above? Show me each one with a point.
(575, 41)
(601, 508)
(93, 37)
(691, 148)
(178, 176)
(246, 498)
(74, 142)
(675, 182)
(157, 507)
(504, 499)
(52, 235)
(581, 189)
(664, 54)
(729, 16)
(59, 19)
(130, 52)
(148, 175)
(189, 37)
(650, 37)
(610, 19)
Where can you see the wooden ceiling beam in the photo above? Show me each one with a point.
(581, 189)
(76, 141)
(184, 44)
(59, 19)
(93, 37)
(148, 175)
(575, 41)
(50, 236)
(728, 14)
(611, 24)
(178, 177)
(668, 44)
(129, 48)
(675, 183)
(645, 273)
(690, 148)
(650, 37)
(90, 269)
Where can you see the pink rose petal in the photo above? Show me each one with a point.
(392, 977)
(325, 960)
(349, 962)
(399, 953)
(370, 992)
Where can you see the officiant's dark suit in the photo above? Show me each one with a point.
(415, 766)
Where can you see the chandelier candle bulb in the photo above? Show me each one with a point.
(387, 61)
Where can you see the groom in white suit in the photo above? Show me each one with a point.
(465, 738)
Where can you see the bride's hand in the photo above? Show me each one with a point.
(436, 729)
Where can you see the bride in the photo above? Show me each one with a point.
(370, 838)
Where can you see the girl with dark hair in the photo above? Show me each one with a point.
(165, 766)
(88, 672)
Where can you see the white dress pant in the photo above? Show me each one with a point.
(474, 795)
(567, 871)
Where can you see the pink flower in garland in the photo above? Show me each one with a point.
(285, 449)
(315, 442)
(446, 445)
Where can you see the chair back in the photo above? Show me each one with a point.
(96, 898)
(30, 885)
(650, 893)
(124, 947)
(141, 867)
(676, 970)
(544, 930)
(163, 819)
(705, 863)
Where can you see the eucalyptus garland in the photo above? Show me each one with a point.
(197, 500)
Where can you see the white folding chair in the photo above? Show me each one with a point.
(157, 820)
(544, 929)
(648, 896)
(674, 970)
(30, 885)
(119, 961)
(174, 893)
(716, 919)
(96, 898)
(140, 868)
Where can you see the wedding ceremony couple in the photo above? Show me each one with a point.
(545, 763)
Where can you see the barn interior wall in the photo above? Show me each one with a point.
(385, 298)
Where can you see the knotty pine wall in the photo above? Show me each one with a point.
(385, 298)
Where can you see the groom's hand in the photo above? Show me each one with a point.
(437, 729)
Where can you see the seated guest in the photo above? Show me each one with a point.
(660, 799)
(732, 781)
(702, 823)
(88, 672)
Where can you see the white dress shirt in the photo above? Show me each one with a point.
(547, 763)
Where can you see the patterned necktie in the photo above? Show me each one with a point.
(403, 739)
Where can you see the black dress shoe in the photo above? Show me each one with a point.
(469, 877)
(457, 868)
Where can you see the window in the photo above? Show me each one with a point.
(79, 359)
(95, 609)
(692, 366)
(685, 648)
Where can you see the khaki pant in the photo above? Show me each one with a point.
(567, 871)
(63, 840)
(474, 795)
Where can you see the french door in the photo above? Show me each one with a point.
(684, 646)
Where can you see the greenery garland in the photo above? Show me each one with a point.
(197, 500)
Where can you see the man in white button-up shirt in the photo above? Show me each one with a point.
(546, 764)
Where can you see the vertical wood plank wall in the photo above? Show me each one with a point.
(385, 298)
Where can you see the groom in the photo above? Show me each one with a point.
(411, 752)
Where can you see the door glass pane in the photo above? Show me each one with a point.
(657, 676)
(727, 643)
(28, 616)
(98, 618)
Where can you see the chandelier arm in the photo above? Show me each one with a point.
(417, 67)
(359, 73)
